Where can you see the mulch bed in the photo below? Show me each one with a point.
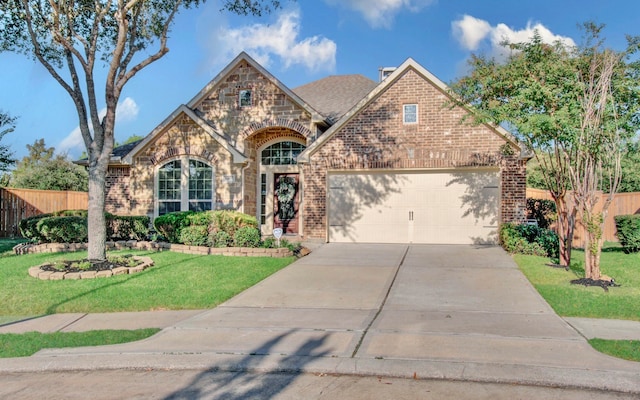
(95, 266)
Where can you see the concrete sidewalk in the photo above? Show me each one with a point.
(446, 312)
(590, 328)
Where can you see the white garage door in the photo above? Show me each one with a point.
(452, 208)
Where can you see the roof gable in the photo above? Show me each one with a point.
(244, 57)
(378, 91)
(238, 157)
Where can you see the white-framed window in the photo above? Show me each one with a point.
(185, 184)
(410, 114)
(244, 98)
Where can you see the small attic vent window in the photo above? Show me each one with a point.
(410, 114)
(245, 98)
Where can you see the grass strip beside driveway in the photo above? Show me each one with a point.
(176, 282)
(27, 344)
(570, 300)
(625, 349)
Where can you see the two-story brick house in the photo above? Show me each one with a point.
(340, 159)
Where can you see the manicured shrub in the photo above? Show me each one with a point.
(194, 235)
(230, 221)
(628, 232)
(29, 227)
(127, 227)
(543, 211)
(63, 229)
(71, 213)
(220, 239)
(529, 239)
(170, 225)
(247, 236)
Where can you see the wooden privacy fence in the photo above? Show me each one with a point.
(623, 204)
(16, 204)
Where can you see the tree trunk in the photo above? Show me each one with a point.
(96, 219)
(565, 227)
(593, 228)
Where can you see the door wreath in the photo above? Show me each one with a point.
(286, 193)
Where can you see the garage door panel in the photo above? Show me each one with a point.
(459, 207)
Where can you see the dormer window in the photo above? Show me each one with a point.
(245, 99)
(410, 114)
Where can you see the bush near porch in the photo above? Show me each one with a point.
(221, 228)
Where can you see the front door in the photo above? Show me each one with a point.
(286, 202)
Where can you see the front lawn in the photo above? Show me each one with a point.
(588, 302)
(177, 281)
(26, 344)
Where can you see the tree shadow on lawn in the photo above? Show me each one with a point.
(247, 379)
(52, 309)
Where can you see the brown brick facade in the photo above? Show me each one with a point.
(377, 138)
(217, 129)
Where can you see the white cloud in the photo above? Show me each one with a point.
(262, 41)
(381, 13)
(471, 32)
(127, 110)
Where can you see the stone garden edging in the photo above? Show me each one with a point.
(38, 272)
(28, 248)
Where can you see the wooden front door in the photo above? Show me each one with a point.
(286, 202)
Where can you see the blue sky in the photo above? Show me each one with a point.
(305, 41)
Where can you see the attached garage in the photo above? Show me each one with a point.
(443, 207)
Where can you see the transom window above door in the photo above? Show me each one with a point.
(185, 185)
(282, 153)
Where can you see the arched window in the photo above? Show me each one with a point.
(282, 153)
(182, 189)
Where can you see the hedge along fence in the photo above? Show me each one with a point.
(623, 204)
(629, 232)
(70, 226)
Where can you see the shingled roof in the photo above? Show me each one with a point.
(334, 95)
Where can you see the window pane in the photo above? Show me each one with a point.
(169, 182)
(282, 153)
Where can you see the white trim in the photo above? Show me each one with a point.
(184, 182)
(270, 171)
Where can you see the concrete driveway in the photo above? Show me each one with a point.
(457, 312)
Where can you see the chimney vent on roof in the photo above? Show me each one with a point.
(385, 72)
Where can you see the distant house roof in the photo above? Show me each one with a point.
(123, 150)
(334, 95)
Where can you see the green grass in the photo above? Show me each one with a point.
(6, 245)
(27, 344)
(625, 349)
(588, 302)
(176, 281)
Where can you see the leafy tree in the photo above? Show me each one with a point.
(68, 37)
(43, 170)
(542, 93)
(6, 156)
(130, 139)
(629, 178)
(609, 118)
(533, 93)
